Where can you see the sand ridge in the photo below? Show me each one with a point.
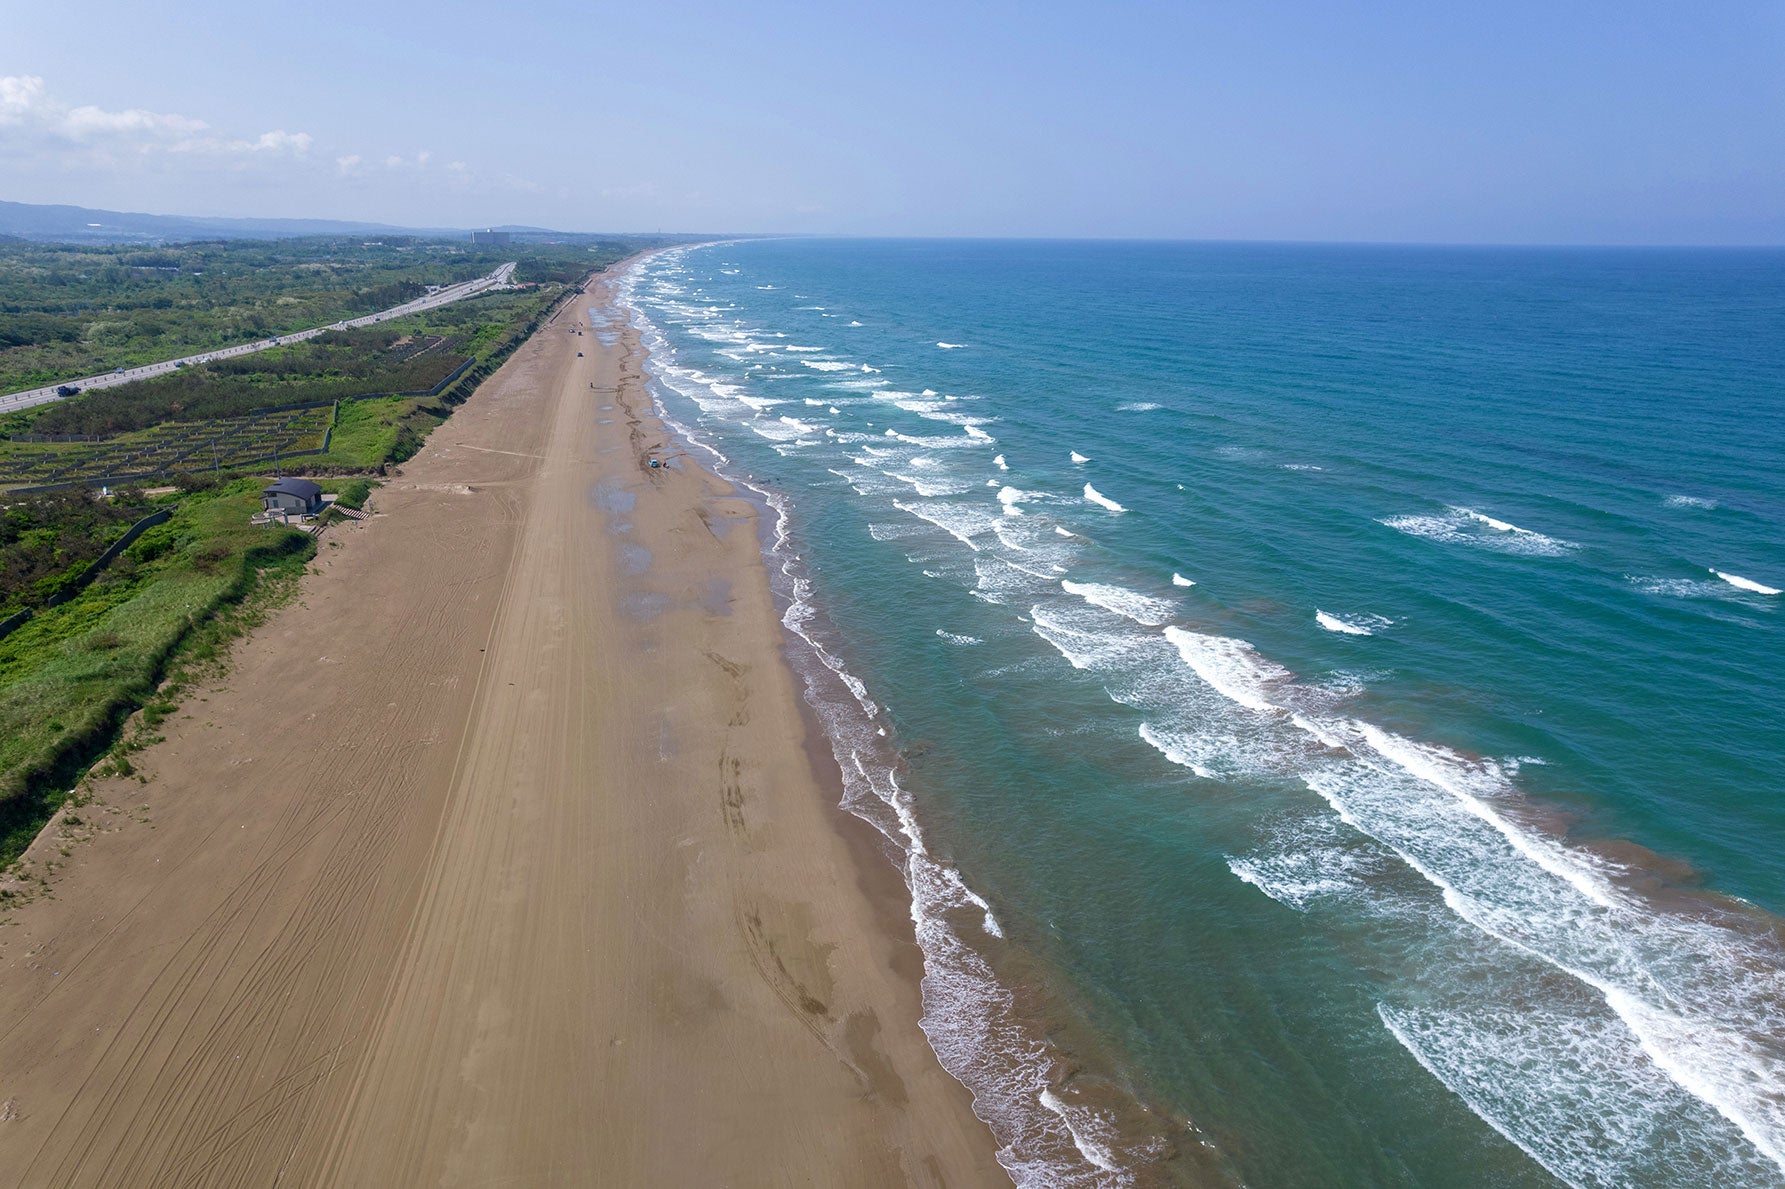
(499, 858)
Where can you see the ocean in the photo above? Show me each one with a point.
(1326, 699)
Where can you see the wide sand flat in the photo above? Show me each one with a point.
(497, 860)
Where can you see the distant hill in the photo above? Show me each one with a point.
(76, 224)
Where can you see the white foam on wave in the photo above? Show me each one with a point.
(1365, 625)
(1473, 784)
(951, 346)
(1089, 1129)
(1233, 668)
(933, 442)
(1141, 608)
(978, 434)
(1179, 580)
(1137, 406)
(1077, 457)
(895, 532)
(1748, 584)
(1179, 749)
(1689, 501)
(1688, 588)
(1097, 497)
(963, 522)
(1602, 1110)
(998, 461)
(1459, 526)
(1307, 861)
(1010, 497)
(932, 487)
(964, 641)
(828, 365)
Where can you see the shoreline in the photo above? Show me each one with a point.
(1055, 1098)
(442, 870)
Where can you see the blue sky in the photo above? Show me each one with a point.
(1510, 122)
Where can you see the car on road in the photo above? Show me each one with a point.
(68, 390)
(117, 371)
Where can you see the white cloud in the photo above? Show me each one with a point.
(131, 153)
(279, 140)
(36, 123)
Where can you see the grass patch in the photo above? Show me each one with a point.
(351, 493)
(73, 674)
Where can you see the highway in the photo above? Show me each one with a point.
(446, 296)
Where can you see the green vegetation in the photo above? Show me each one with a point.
(175, 449)
(74, 310)
(237, 414)
(48, 542)
(352, 493)
(339, 365)
(73, 673)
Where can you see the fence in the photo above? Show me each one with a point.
(94, 568)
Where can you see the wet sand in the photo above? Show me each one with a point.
(499, 858)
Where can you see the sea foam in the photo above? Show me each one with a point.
(1748, 584)
(1466, 526)
(1364, 625)
(1097, 497)
(1140, 608)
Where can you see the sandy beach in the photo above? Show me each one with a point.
(498, 858)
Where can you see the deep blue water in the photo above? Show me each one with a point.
(1350, 677)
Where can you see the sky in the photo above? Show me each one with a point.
(1577, 121)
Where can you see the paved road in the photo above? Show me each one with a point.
(440, 297)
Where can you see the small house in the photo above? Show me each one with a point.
(293, 497)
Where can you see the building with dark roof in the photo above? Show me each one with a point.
(294, 497)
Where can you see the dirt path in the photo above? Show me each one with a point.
(498, 860)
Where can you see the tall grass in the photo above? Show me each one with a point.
(72, 675)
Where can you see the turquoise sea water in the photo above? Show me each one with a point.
(1327, 699)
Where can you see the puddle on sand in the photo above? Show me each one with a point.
(648, 604)
(716, 599)
(634, 559)
(609, 496)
